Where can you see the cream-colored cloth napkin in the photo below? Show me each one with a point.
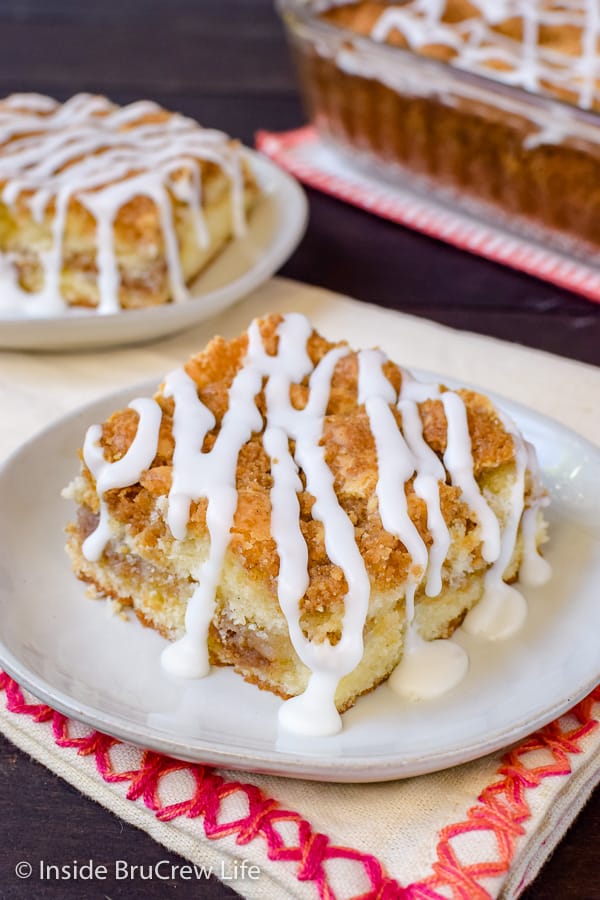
(484, 828)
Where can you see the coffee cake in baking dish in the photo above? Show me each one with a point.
(495, 106)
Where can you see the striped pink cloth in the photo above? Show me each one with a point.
(305, 155)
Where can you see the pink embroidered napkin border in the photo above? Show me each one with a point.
(303, 154)
(502, 808)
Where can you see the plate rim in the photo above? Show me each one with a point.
(174, 316)
(334, 769)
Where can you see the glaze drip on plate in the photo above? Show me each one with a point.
(104, 156)
(293, 440)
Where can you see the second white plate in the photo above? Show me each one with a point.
(275, 228)
(95, 667)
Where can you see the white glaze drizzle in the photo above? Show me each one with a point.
(211, 475)
(397, 73)
(123, 472)
(529, 61)
(502, 608)
(104, 156)
(424, 670)
(314, 711)
(535, 570)
(396, 464)
(458, 460)
(430, 472)
(401, 454)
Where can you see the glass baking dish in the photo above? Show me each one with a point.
(528, 162)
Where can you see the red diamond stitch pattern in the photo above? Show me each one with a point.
(501, 809)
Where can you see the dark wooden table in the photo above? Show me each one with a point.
(225, 62)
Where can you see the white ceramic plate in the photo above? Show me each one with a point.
(71, 653)
(275, 228)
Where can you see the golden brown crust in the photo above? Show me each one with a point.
(349, 451)
(144, 567)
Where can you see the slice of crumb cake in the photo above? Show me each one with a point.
(108, 207)
(305, 512)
